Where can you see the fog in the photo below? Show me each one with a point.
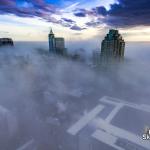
(42, 95)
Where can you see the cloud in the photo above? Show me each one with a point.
(68, 20)
(100, 10)
(65, 22)
(123, 13)
(46, 101)
(75, 27)
(7, 3)
(26, 8)
(36, 8)
(80, 13)
(127, 13)
(94, 23)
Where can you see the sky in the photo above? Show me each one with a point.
(75, 20)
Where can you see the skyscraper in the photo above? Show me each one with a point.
(112, 47)
(60, 45)
(52, 47)
(56, 44)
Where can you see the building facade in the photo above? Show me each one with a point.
(112, 47)
(52, 47)
(56, 44)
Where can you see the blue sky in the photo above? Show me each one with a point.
(80, 19)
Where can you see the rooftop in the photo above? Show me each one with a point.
(115, 130)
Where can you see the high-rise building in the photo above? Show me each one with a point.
(52, 47)
(112, 47)
(60, 45)
(56, 44)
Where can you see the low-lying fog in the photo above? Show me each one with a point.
(41, 96)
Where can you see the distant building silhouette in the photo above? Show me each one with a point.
(6, 42)
(112, 47)
(56, 44)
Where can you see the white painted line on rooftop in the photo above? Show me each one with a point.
(106, 99)
(106, 138)
(122, 133)
(115, 101)
(114, 112)
(85, 120)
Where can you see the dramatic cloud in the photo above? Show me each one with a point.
(124, 13)
(84, 12)
(7, 3)
(100, 10)
(34, 8)
(127, 13)
(80, 12)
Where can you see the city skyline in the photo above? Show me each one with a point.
(25, 20)
(74, 74)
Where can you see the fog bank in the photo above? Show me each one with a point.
(41, 95)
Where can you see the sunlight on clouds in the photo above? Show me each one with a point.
(35, 29)
(23, 29)
(141, 33)
(23, 23)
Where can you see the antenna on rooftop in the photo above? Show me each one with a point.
(51, 31)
